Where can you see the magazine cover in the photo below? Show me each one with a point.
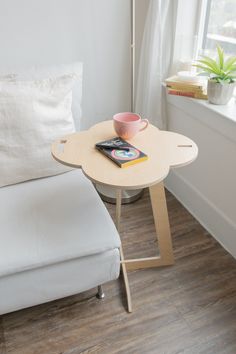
(123, 158)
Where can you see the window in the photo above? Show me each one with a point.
(219, 26)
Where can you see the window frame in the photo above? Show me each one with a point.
(204, 17)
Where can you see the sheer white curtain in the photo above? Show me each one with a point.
(167, 30)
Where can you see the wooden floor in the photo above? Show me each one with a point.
(186, 308)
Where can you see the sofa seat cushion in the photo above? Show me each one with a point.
(51, 220)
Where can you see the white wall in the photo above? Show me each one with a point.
(207, 186)
(62, 31)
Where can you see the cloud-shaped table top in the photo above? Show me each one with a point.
(164, 149)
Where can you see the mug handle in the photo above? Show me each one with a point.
(146, 124)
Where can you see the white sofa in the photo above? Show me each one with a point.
(56, 239)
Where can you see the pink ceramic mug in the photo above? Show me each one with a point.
(128, 124)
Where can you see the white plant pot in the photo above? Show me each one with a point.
(219, 93)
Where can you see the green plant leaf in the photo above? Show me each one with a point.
(211, 63)
(207, 65)
(233, 68)
(220, 56)
(229, 63)
(204, 68)
(231, 71)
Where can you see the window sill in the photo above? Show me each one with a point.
(220, 118)
(226, 111)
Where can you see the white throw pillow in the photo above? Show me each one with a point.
(46, 72)
(32, 115)
(38, 72)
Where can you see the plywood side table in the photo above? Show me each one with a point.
(165, 150)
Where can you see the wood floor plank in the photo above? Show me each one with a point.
(187, 308)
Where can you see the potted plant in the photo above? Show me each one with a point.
(222, 76)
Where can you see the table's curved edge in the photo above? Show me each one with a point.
(65, 163)
(183, 149)
(185, 163)
(56, 157)
(63, 155)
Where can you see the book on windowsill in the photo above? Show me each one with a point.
(176, 86)
(175, 80)
(192, 94)
(121, 157)
(194, 88)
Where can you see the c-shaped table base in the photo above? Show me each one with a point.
(161, 220)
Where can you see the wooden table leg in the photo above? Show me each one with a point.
(123, 266)
(161, 219)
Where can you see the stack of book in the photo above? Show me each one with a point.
(194, 89)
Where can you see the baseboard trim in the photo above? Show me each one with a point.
(208, 215)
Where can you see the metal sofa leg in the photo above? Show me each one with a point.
(100, 294)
